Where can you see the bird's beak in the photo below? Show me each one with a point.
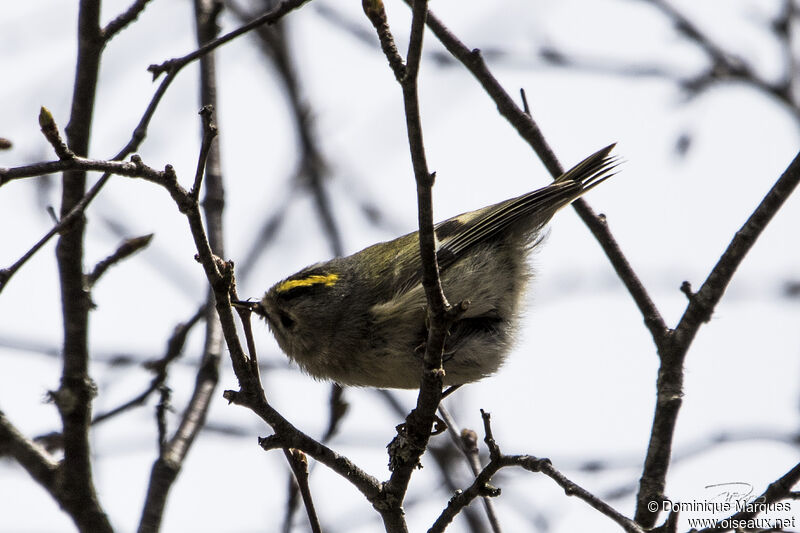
(254, 307)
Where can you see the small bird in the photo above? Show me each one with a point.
(360, 320)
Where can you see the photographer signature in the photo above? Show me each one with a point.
(730, 492)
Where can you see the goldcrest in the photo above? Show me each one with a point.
(361, 320)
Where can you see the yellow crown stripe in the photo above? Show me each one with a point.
(317, 279)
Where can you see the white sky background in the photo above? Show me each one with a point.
(581, 383)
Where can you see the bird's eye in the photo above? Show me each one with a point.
(286, 320)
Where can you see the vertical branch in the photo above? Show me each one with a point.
(412, 439)
(299, 465)
(76, 390)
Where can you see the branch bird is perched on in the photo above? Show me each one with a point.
(361, 320)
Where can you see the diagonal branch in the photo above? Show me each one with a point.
(124, 19)
(174, 349)
(127, 248)
(299, 464)
(377, 16)
(251, 393)
(267, 18)
(32, 457)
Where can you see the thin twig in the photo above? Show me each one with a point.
(467, 442)
(172, 68)
(685, 26)
(525, 107)
(209, 134)
(311, 171)
(124, 19)
(299, 463)
(337, 408)
(310, 167)
(481, 486)
(126, 249)
(288, 436)
(267, 18)
(377, 16)
(50, 131)
(783, 29)
(725, 66)
(251, 393)
(174, 349)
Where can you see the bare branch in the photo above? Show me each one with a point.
(443, 456)
(481, 486)
(673, 353)
(573, 489)
(175, 346)
(412, 437)
(162, 409)
(685, 26)
(267, 18)
(782, 28)
(377, 16)
(299, 463)
(209, 134)
(124, 19)
(75, 393)
(467, 442)
(726, 66)
(337, 408)
(131, 169)
(32, 457)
